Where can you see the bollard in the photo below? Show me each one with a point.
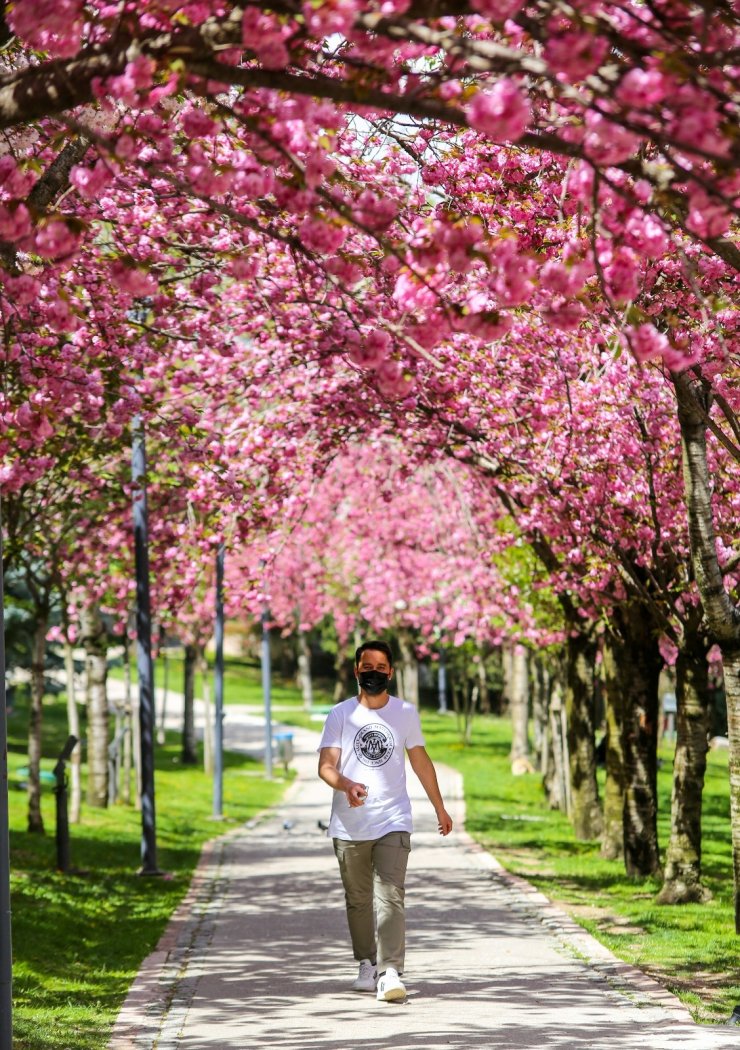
(61, 794)
(284, 746)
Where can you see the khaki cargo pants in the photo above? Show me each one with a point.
(373, 875)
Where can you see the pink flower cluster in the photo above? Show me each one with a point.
(503, 112)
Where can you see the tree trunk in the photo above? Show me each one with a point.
(483, 691)
(683, 858)
(471, 702)
(507, 673)
(579, 706)
(639, 671)
(35, 820)
(189, 754)
(304, 669)
(557, 781)
(131, 737)
(73, 722)
(519, 704)
(612, 843)
(721, 613)
(407, 671)
(207, 711)
(540, 713)
(343, 685)
(96, 661)
(161, 730)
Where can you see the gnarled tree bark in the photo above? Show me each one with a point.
(723, 616)
(580, 657)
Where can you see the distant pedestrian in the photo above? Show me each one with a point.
(362, 756)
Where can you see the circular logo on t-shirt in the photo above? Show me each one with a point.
(374, 745)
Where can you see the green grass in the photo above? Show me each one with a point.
(691, 949)
(79, 939)
(242, 682)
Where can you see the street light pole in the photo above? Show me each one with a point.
(144, 663)
(442, 682)
(218, 736)
(144, 652)
(6, 948)
(267, 690)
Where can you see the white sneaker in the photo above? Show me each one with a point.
(367, 978)
(390, 987)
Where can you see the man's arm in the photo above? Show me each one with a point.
(422, 765)
(329, 772)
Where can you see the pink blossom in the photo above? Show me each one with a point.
(606, 142)
(322, 237)
(272, 53)
(622, 274)
(14, 180)
(581, 181)
(374, 211)
(132, 280)
(503, 112)
(411, 294)
(372, 350)
(90, 181)
(15, 222)
(707, 217)
(54, 26)
(319, 168)
(565, 316)
(22, 290)
(574, 54)
(647, 235)
(647, 343)
(564, 279)
(486, 324)
(330, 17)
(497, 10)
(643, 88)
(197, 124)
(393, 381)
(56, 240)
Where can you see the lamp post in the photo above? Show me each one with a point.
(6, 949)
(144, 638)
(267, 688)
(218, 736)
(442, 682)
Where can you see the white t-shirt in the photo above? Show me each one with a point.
(373, 745)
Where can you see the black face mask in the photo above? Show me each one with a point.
(373, 682)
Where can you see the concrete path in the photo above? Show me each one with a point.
(258, 955)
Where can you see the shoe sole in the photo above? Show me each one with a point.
(393, 995)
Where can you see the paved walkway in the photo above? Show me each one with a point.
(258, 955)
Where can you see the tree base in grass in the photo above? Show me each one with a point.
(678, 891)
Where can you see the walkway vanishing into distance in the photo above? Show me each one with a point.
(258, 956)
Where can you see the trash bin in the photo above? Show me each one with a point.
(283, 744)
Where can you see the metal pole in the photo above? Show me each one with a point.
(144, 653)
(218, 687)
(6, 949)
(266, 691)
(442, 682)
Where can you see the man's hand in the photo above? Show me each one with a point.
(444, 822)
(356, 794)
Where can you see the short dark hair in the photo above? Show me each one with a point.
(381, 647)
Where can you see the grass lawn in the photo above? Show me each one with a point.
(79, 939)
(692, 949)
(242, 682)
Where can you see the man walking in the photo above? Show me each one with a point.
(362, 756)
